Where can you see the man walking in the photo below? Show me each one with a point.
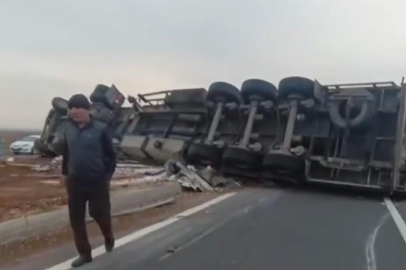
(89, 162)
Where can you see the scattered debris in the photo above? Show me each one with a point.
(53, 165)
(131, 165)
(51, 182)
(186, 176)
(212, 177)
(20, 165)
(42, 176)
(141, 180)
(129, 174)
(123, 171)
(153, 173)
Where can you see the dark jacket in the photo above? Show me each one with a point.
(88, 154)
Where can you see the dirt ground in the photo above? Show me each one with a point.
(23, 193)
(26, 192)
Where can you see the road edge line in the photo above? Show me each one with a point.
(66, 265)
(400, 223)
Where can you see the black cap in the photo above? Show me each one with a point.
(79, 101)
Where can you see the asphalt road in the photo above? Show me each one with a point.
(271, 229)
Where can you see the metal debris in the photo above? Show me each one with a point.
(53, 165)
(186, 176)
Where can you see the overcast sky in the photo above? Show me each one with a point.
(58, 48)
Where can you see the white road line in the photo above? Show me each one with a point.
(138, 234)
(396, 217)
(370, 245)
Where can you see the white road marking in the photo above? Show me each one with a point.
(370, 245)
(400, 223)
(138, 234)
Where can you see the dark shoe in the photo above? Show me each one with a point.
(109, 244)
(81, 261)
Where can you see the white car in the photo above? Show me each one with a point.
(25, 145)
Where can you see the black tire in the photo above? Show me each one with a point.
(259, 88)
(284, 163)
(99, 95)
(223, 92)
(361, 119)
(241, 158)
(297, 86)
(60, 104)
(99, 90)
(204, 154)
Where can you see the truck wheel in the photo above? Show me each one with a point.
(297, 86)
(223, 92)
(241, 158)
(99, 95)
(60, 104)
(284, 163)
(204, 154)
(360, 119)
(260, 89)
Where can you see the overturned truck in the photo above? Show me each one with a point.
(301, 131)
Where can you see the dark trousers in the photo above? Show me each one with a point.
(98, 196)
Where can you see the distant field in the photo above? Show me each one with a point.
(9, 136)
